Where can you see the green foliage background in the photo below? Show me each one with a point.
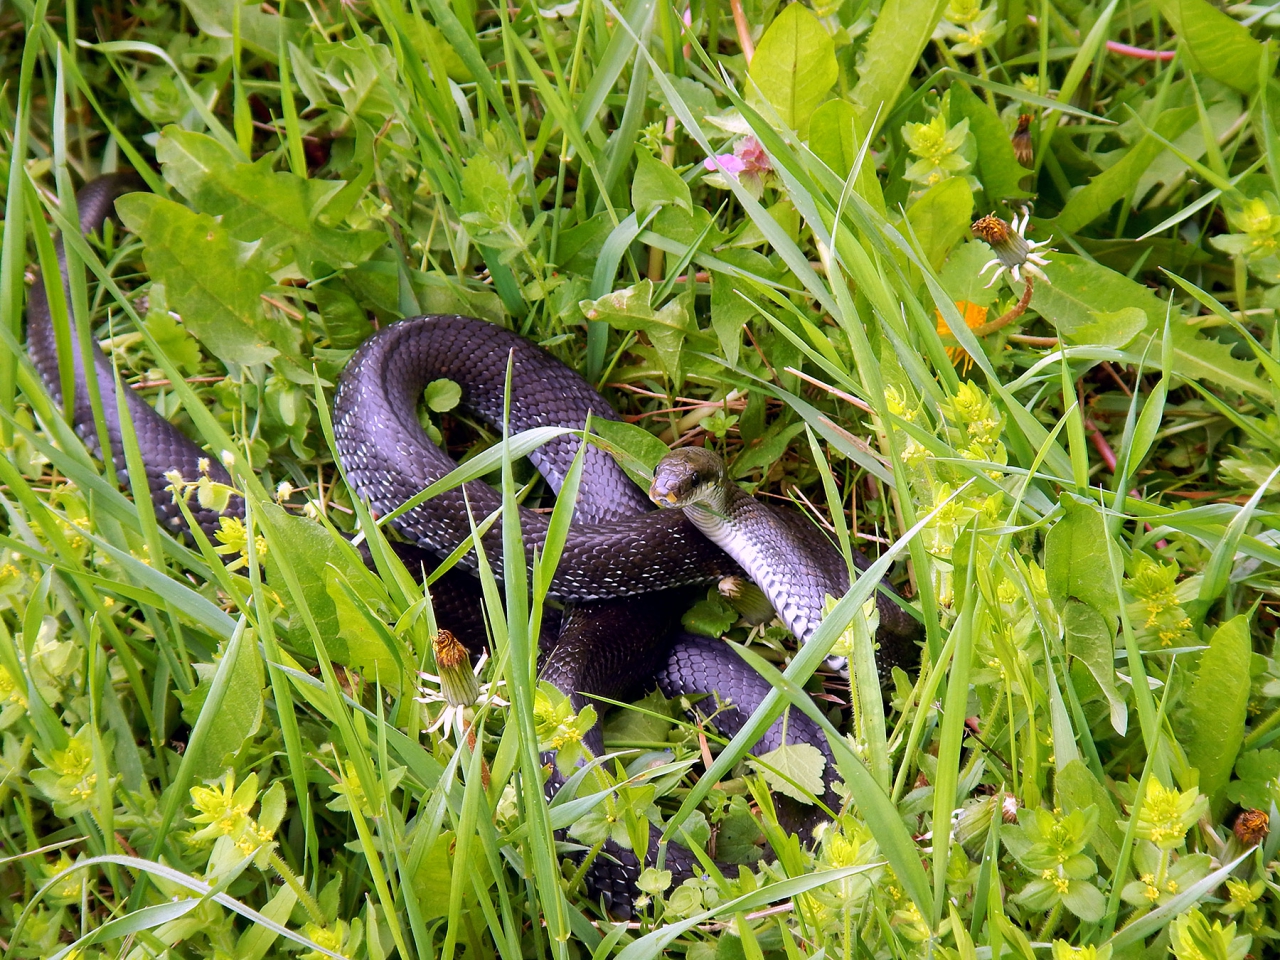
(1080, 503)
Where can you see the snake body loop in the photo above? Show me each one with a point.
(620, 553)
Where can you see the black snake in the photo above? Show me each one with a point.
(617, 630)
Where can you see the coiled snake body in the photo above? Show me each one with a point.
(615, 634)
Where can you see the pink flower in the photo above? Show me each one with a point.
(747, 157)
(731, 163)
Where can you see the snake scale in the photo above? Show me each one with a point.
(627, 569)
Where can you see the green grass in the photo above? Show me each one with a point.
(1080, 505)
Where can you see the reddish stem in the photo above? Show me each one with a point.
(1139, 53)
(1109, 458)
(1124, 49)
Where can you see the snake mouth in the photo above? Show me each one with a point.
(662, 496)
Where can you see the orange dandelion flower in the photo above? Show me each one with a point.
(974, 317)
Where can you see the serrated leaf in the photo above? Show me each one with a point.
(794, 67)
(205, 280)
(729, 312)
(710, 617)
(176, 342)
(802, 763)
(1080, 288)
(1118, 180)
(258, 203)
(631, 309)
(1111, 328)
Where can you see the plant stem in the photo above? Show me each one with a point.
(744, 30)
(1007, 317)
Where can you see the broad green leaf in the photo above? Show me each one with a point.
(793, 769)
(239, 713)
(635, 448)
(631, 309)
(1217, 705)
(962, 275)
(1076, 563)
(312, 552)
(1076, 788)
(345, 323)
(650, 722)
(1121, 178)
(1258, 780)
(710, 617)
(656, 185)
(893, 50)
(941, 217)
(1091, 639)
(365, 651)
(356, 71)
(429, 43)
(1080, 288)
(729, 311)
(836, 134)
(433, 876)
(259, 31)
(1219, 46)
(205, 277)
(998, 168)
(258, 203)
(256, 941)
(794, 67)
(1110, 328)
(175, 341)
(1084, 900)
(443, 395)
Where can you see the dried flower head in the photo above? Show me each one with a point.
(1251, 827)
(1021, 141)
(1014, 252)
(459, 687)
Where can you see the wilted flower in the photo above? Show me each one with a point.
(1014, 252)
(1021, 140)
(458, 686)
(1251, 827)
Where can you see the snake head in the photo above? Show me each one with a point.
(688, 476)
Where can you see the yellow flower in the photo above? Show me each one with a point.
(974, 316)
(1167, 814)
